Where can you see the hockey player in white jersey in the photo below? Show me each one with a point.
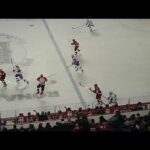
(112, 98)
(76, 63)
(18, 74)
(89, 24)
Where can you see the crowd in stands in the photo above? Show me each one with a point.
(69, 113)
(117, 122)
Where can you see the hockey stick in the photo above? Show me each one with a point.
(51, 75)
(84, 86)
(35, 111)
(69, 66)
(12, 63)
(78, 27)
(90, 90)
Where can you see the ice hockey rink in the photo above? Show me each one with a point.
(116, 56)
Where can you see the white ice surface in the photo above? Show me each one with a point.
(116, 56)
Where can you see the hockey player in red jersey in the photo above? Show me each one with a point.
(98, 93)
(76, 46)
(2, 77)
(41, 84)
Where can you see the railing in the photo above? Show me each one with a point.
(52, 109)
(73, 106)
(53, 122)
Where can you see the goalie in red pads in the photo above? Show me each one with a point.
(98, 93)
(41, 84)
(2, 77)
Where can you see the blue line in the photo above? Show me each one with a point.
(65, 65)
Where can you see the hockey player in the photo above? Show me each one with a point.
(41, 84)
(2, 77)
(76, 46)
(89, 24)
(112, 98)
(18, 74)
(76, 63)
(98, 93)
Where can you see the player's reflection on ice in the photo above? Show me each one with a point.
(27, 96)
(95, 32)
(21, 86)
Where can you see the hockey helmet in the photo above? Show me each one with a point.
(95, 84)
(110, 92)
(72, 56)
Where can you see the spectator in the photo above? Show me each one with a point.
(99, 110)
(139, 106)
(37, 116)
(111, 109)
(40, 127)
(56, 127)
(107, 109)
(102, 120)
(92, 125)
(69, 125)
(49, 115)
(132, 117)
(116, 108)
(52, 116)
(138, 117)
(2, 122)
(4, 129)
(124, 117)
(22, 129)
(31, 127)
(130, 122)
(77, 128)
(14, 128)
(43, 116)
(101, 126)
(29, 117)
(69, 113)
(48, 127)
(60, 115)
(21, 119)
(79, 120)
(80, 112)
(127, 122)
(116, 122)
(138, 125)
(62, 125)
(85, 124)
(89, 112)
